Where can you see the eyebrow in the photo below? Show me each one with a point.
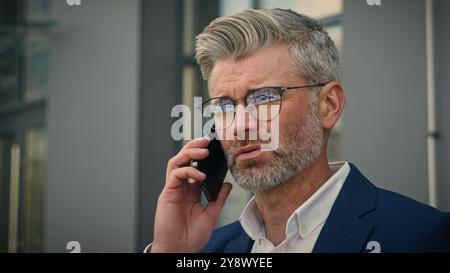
(246, 93)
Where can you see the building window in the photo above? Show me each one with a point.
(24, 66)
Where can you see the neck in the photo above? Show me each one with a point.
(278, 204)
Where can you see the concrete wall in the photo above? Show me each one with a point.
(384, 125)
(442, 24)
(385, 122)
(92, 127)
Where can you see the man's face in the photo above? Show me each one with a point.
(300, 130)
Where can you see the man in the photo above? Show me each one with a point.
(301, 202)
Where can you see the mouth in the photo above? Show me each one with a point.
(248, 152)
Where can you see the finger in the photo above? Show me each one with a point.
(184, 157)
(215, 207)
(180, 175)
(201, 142)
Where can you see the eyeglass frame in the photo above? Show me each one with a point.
(280, 89)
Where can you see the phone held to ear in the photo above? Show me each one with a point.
(214, 166)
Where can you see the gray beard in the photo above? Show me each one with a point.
(299, 146)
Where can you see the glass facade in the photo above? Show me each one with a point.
(36, 71)
(24, 66)
(24, 54)
(10, 66)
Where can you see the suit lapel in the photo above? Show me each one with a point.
(350, 222)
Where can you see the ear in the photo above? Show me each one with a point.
(331, 104)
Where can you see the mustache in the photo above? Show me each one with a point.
(231, 154)
(242, 143)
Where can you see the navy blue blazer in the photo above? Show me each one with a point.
(363, 218)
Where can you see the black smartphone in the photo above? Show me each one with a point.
(214, 166)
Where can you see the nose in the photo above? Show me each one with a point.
(244, 124)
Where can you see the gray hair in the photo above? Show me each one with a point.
(236, 36)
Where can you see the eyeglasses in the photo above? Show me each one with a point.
(263, 104)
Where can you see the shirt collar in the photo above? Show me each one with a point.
(306, 218)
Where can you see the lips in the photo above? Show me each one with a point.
(248, 152)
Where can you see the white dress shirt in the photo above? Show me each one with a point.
(304, 225)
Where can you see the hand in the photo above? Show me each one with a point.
(182, 223)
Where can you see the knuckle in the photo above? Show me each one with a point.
(171, 162)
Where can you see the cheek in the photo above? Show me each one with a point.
(291, 117)
(226, 144)
(294, 110)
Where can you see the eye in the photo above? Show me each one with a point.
(266, 95)
(227, 107)
(262, 99)
(222, 105)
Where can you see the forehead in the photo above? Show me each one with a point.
(265, 67)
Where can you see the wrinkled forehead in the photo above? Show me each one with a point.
(265, 67)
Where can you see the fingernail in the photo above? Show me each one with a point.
(191, 180)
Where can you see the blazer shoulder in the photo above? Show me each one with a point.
(394, 203)
(409, 218)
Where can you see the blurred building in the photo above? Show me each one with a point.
(86, 93)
